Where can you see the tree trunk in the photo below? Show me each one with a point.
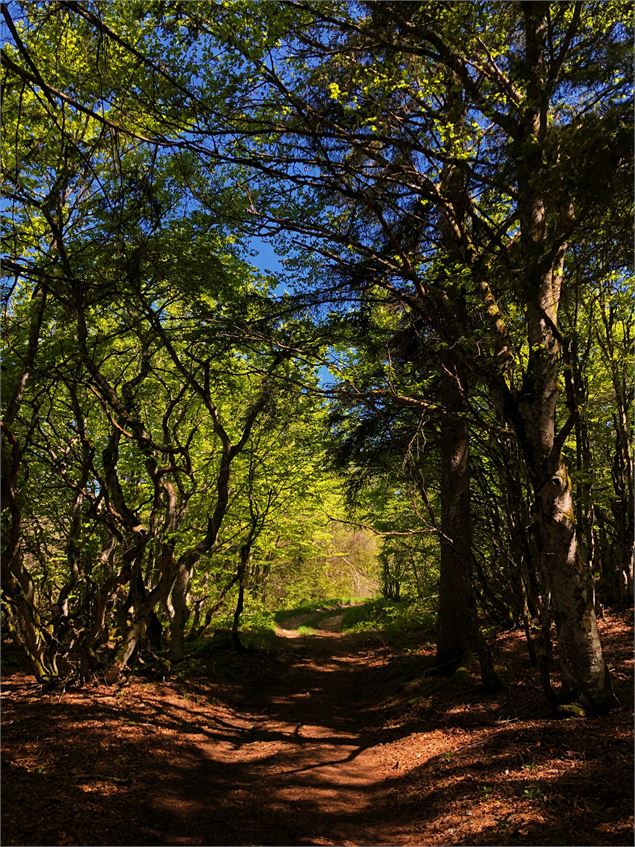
(181, 612)
(245, 553)
(458, 631)
(126, 649)
(584, 673)
(565, 575)
(455, 637)
(17, 586)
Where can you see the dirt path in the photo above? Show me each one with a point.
(313, 749)
(327, 740)
(310, 760)
(329, 622)
(295, 762)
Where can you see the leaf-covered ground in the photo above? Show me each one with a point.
(326, 739)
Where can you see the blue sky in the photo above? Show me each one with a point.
(266, 258)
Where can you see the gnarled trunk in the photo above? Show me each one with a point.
(180, 609)
(125, 650)
(245, 554)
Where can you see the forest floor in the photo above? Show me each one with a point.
(323, 739)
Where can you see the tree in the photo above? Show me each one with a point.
(460, 178)
(522, 77)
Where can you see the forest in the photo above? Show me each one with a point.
(317, 422)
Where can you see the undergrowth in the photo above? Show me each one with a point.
(315, 609)
(257, 628)
(391, 618)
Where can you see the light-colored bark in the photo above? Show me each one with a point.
(584, 673)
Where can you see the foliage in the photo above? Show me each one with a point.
(390, 618)
(449, 186)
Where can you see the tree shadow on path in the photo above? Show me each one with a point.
(315, 744)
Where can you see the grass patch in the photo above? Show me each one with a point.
(258, 638)
(257, 628)
(314, 610)
(394, 619)
(257, 631)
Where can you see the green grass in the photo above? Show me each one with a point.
(387, 619)
(257, 630)
(390, 618)
(318, 607)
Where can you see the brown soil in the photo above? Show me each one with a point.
(327, 739)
